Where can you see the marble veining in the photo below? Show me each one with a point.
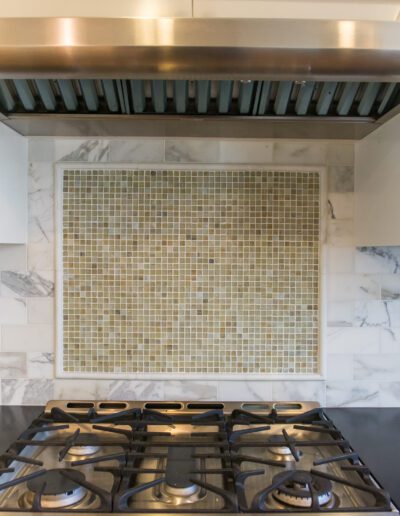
(30, 284)
(385, 314)
(390, 394)
(26, 391)
(40, 365)
(41, 216)
(87, 151)
(347, 340)
(12, 365)
(340, 179)
(352, 394)
(377, 367)
(390, 287)
(300, 390)
(378, 259)
(135, 390)
(300, 152)
(191, 151)
(190, 390)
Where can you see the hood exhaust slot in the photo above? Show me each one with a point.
(204, 97)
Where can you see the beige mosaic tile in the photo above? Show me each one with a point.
(190, 271)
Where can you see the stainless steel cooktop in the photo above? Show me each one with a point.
(176, 457)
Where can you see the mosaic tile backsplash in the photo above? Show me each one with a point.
(184, 271)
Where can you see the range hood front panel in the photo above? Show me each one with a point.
(199, 48)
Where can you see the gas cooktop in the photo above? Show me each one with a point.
(175, 457)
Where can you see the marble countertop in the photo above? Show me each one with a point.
(373, 433)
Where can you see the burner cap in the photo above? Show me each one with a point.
(296, 491)
(281, 447)
(91, 444)
(59, 491)
(56, 482)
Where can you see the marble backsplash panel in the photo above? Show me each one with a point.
(362, 344)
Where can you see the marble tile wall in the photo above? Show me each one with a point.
(362, 344)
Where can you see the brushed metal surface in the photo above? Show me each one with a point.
(190, 126)
(199, 48)
(50, 454)
(181, 407)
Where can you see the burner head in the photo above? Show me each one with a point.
(295, 492)
(281, 448)
(90, 447)
(58, 491)
(178, 488)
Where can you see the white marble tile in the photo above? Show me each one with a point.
(13, 257)
(377, 313)
(41, 310)
(340, 232)
(352, 287)
(340, 314)
(299, 153)
(340, 153)
(341, 287)
(338, 259)
(28, 337)
(27, 284)
(41, 257)
(377, 367)
(136, 151)
(146, 390)
(341, 206)
(339, 367)
(40, 365)
(240, 390)
(41, 216)
(190, 390)
(246, 151)
(304, 390)
(389, 393)
(340, 179)
(393, 309)
(352, 394)
(389, 340)
(347, 341)
(378, 260)
(192, 151)
(82, 150)
(41, 149)
(13, 365)
(26, 392)
(77, 389)
(40, 176)
(390, 286)
(13, 310)
(367, 287)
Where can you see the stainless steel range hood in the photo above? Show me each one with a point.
(198, 77)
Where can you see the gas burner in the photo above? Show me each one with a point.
(281, 448)
(85, 449)
(178, 488)
(56, 490)
(171, 495)
(295, 492)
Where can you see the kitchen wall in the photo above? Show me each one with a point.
(362, 344)
(349, 10)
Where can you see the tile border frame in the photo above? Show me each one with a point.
(60, 167)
